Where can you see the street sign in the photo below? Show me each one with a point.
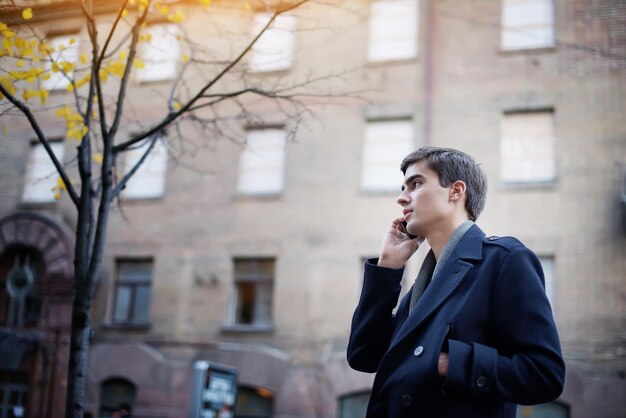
(214, 390)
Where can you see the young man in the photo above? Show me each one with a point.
(475, 335)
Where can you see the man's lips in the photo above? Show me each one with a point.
(407, 213)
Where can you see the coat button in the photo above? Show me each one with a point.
(418, 351)
(493, 238)
(481, 382)
(407, 400)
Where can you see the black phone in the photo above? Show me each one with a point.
(407, 232)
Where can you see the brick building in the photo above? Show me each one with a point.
(253, 259)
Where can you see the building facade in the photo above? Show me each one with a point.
(247, 250)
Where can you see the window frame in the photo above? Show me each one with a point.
(248, 166)
(257, 63)
(155, 72)
(132, 156)
(256, 279)
(57, 81)
(520, 183)
(374, 21)
(129, 320)
(513, 30)
(366, 164)
(58, 148)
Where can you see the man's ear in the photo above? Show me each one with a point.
(457, 190)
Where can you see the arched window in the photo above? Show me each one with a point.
(353, 405)
(254, 402)
(544, 410)
(117, 398)
(21, 269)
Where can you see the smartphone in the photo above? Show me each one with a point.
(407, 232)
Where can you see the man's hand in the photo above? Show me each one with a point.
(397, 247)
(442, 366)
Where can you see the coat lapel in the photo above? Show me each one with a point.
(449, 277)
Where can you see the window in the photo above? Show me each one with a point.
(13, 394)
(262, 164)
(354, 405)
(527, 24)
(41, 175)
(21, 271)
(393, 30)
(253, 402)
(132, 292)
(386, 144)
(274, 49)
(160, 54)
(148, 181)
(527, 148)
(254, 285)
(547, 265)
(117, 397)
(65, 49)
(545, 410)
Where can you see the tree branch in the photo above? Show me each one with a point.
(172, 116)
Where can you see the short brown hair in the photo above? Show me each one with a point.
(452, 165)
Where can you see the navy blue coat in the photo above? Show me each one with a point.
(487, 309)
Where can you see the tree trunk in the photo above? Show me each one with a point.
(79, 351)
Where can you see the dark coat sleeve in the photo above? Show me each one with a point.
(526, 366)
(373, 321)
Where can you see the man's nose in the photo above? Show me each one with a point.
(403, 199)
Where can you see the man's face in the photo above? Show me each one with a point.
(425, 203)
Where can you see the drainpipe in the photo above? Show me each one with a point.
(429, 71)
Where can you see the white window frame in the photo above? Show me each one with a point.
(527, 24)
(70, 53)
(41, 174)
(274, 50)
(527, 148)
(257, 279)
(263, 158)
(148, 182)
(161, 54)
(393, 30)
(380, 167)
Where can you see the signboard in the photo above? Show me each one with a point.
(214, 391)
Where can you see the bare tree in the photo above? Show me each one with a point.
(96, 118)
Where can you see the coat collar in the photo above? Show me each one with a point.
(448, 278)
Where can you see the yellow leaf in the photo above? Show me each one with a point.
(84, 58)
(205, 3)
(72, 41)
(19, 63)
(84, 131)
(26, 94)
(246, 6)
(57, 195)
(98, 157)
(164, 10)
(177, 17)
(124, 13)
(61, 184)
(27, 13)
(177, 106)
(43, 96)
(185, 58)
(3, 26)
(137, 63)
(70, 87)
(123, 55)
